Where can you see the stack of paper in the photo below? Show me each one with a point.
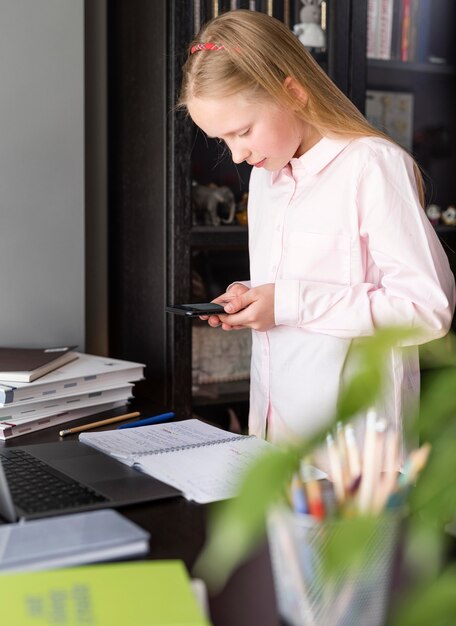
(87, 385)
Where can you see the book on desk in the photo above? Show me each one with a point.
(28, 364)
(154, 593)
(87, 385)
(204, 462)
(65, 540)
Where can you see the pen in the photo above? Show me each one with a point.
(147, 421)
(314, 499)
(298, 496)
(109, 420)
(354, 462)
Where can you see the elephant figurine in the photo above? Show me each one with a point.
(212, 205)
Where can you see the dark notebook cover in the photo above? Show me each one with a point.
(27, 364)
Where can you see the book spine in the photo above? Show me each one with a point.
(385, 29)
(372, 28)
(396, 30)
(414, 13)
(423, 30)
(405, 30)
(6, 396)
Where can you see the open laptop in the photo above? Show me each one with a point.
(44, 479)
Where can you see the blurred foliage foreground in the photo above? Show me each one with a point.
(237, 526)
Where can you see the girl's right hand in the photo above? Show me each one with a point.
(235, 290)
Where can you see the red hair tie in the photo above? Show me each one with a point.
(205, 46)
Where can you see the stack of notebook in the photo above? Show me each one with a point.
(75, 385)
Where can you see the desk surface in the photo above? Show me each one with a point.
(177, 530)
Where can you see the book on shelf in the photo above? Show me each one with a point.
(152, 593)
(392, 113)
(50, 406)
(87, 372)
(28, 364)
(11, 429)
(67, 540)
(405, 29)
(379, 28)
(399, 30)
(204, 462)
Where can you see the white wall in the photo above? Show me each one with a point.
(42, 299)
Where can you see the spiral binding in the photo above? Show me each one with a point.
(202, 444)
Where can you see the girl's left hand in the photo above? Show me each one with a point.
(252, 309)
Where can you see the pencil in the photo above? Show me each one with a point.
(354, 462)
(337, 477)
(372, 458)
(314, 499)
(109, 420)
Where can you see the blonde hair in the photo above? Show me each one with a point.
(259, 52)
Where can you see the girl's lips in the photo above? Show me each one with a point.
(260, 163)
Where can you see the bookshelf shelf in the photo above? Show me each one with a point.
(219, 237)
(408, 66)
(221, 393)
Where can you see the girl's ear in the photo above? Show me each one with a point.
(296, 89)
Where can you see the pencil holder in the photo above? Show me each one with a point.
(307, 595)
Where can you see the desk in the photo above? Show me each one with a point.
(177, 530)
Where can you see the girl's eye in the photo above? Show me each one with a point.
(246, 132)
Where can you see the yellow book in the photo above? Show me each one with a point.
(139, 593)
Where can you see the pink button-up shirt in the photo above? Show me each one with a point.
(341, 233)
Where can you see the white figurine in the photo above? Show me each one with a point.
(309, 31)
(434, 212)
(449, 215)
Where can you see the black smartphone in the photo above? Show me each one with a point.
(195, 310)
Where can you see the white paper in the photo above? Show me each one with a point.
(206, 463)
(156, 438)
(209, 473)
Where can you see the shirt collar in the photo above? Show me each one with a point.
(316, 158)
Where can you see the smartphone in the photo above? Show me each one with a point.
(195, 310)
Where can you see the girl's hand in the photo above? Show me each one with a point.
(235, 290)
(254, 308)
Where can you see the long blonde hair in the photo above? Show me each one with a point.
(258, 53)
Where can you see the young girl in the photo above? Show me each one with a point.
(339, 242)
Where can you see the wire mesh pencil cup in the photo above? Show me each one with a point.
(306, 596)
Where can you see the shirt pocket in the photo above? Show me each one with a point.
(318, 258)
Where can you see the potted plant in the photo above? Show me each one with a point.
(237, 526)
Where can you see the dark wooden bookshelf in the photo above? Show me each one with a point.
(409, 66)
(153, 244)
(219, 237)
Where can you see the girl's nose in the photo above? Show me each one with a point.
(240, 154)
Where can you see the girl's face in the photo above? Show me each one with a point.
(261, 133)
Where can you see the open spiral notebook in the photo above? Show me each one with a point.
(206, 463)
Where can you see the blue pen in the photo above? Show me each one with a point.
(147, 421)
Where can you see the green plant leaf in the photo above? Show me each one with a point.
(437, 405)
(236, 526)
(431, 604)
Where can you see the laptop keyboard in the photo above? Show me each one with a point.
(37, 488)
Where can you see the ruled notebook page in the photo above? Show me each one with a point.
(134, 442)
(208, 473)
